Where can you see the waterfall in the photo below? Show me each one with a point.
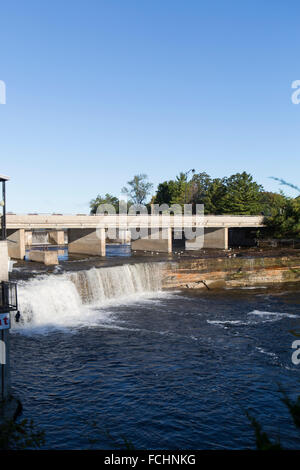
(40, 238)
(76, 298)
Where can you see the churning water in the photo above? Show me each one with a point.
(105, 354)
(73, 299)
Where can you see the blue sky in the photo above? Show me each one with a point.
(98, 91)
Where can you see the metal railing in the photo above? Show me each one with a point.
(8, 297)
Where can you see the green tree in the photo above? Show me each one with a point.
(238, 194)
(177, 191)
(284, 219)
(171, 192)
(107, 199)
(271, 202)
(138, 189)
(242, 195)
(284, 222)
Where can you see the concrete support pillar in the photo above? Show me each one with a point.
(16, 243)
(216, 238)
(57, 237)
(196, 243)
(46, 257)
(160, 240)
(28, 238)
(87, 241)
(124, 236)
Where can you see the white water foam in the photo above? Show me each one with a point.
(268, 353)
(82, 298)
(279, 315)
(258, 317)
(227, 322)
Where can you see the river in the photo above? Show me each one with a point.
(103, 357)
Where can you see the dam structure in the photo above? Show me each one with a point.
(88, 234)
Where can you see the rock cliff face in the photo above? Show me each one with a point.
(234, 272)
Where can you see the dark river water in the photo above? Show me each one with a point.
(161, 370)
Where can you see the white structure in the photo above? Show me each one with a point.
(87, 233)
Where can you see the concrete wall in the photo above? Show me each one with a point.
(163, 242)
(196, 243)
(16, 243)
(122, 237)
(28, 238)
(212, 238)
(216, 238)
(46, 257)
(87, 241)
(57, 237)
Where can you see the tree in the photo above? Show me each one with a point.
(107, 199)
(272, 202)
(213, 202)
(209, 192)
(285, 221)
(198, 187)
(242, 195)
(138, 189)
(178, 191)
(238, 194)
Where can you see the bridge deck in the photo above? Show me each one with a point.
(46, 221)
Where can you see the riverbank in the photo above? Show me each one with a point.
(231, 271)
(189, 269)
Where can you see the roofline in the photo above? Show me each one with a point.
(4, 178)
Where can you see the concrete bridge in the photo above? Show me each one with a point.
(87, 233)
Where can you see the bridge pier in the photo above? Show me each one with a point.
(216, 238)
(28, 238)
(16, 243)
(212, 238)
(87, 241)
(57, 237)
(122, 237)
(161, 241)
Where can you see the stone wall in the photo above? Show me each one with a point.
(235, 272)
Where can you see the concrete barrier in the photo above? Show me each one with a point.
(16, 243)
(87, 241)
(46, 257)
(161, 241)
(57, 237)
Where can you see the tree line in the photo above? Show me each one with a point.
(237, 194)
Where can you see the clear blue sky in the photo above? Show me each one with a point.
(98, 91)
